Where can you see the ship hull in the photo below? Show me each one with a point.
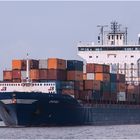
(38, 109)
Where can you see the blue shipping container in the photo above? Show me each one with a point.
(74, 65)
(113, 77)
(113, 87)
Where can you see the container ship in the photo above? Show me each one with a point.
(103, 90)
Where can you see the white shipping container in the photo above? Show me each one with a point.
(90, 76)
(114, 68)
(23, 75)
(43, 64)
(121, 96)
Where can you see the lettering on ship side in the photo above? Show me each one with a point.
(3, 89)
(53, 102)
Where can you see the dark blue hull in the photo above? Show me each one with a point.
(38, 109)
(46, 109)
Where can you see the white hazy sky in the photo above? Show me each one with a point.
(52, 29)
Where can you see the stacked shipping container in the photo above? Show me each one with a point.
(75, 76)
(97, 83)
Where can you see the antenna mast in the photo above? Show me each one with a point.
(126, 35)
(27, 69)
(114, 28)
(102, 33)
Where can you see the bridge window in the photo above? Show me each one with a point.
(90, 56)
(112, 36)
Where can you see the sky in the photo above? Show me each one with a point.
(53, 28)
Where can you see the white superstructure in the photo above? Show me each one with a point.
(114, 50)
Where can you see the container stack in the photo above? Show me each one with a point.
(17, 67)
(97, 80)
(74, 82)
(121, 87)
(56, 69)
(102, 74)
(18, 71)
(43, 65)
(95, 83)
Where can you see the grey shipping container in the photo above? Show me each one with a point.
(43, 64)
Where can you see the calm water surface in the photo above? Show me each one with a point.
(74, 132)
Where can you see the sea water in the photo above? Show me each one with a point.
(72, 132)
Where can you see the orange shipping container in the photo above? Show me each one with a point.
(75, 75)
(7, 75)
(102, 76)
(34, 74)
(84, 76)
(19, 64)
(55, 63)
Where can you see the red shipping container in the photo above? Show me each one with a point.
(102, 68)
(55, 74)
(92, 85)
(98, 68)
(75, 75)
(90, 68)
(16, 74)
(106, 68)
(43, 74)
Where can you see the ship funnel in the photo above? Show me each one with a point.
(138, 39)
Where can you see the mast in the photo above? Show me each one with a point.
(101, 33)
(27, 69)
